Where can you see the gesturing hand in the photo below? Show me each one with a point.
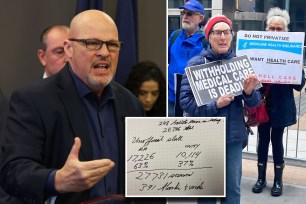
(77, 176)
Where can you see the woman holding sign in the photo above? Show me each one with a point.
(282, 113)
(219, 33)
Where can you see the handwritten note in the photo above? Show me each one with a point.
(179, 157)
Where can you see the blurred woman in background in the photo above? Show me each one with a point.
(147, 82)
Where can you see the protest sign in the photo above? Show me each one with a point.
(277, 57)
(212, 80)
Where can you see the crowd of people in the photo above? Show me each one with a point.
(62, 137)
(219, 33)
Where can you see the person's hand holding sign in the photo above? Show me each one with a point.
(250, 83)
(225, 100)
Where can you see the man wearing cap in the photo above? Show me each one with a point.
(184, 45)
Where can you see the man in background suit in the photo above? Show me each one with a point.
(65, 134)
(51, 53)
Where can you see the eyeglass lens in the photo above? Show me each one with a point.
(94, 44)
(219, 32)
(97, 44)
(188, 13)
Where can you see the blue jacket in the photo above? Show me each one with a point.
(281, 105)
(235, 124)
(182, 50)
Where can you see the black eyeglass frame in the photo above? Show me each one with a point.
(222, 31)
(107, 43)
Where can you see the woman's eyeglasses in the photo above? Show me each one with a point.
(275, 29)
(219, 32)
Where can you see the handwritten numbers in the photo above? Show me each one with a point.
(186, 155)
(165, 123)
(167, 157)
(141, 157)
(142, 165)
(188, 163)
(147, 187)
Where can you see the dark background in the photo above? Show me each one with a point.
(22, 22)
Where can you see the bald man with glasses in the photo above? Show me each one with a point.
(65, 134)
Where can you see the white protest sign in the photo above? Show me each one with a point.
(212, 80)
(175, 157)
(277, 57)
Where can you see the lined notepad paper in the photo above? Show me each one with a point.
(174, 157)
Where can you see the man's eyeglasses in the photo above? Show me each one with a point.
(188, 13)
(275, 29)
(95, 44)
(219, 32)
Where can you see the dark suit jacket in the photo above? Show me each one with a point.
(3, 113)
(4, 197)
(44, 118)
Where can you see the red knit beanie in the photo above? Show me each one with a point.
(213, 21)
